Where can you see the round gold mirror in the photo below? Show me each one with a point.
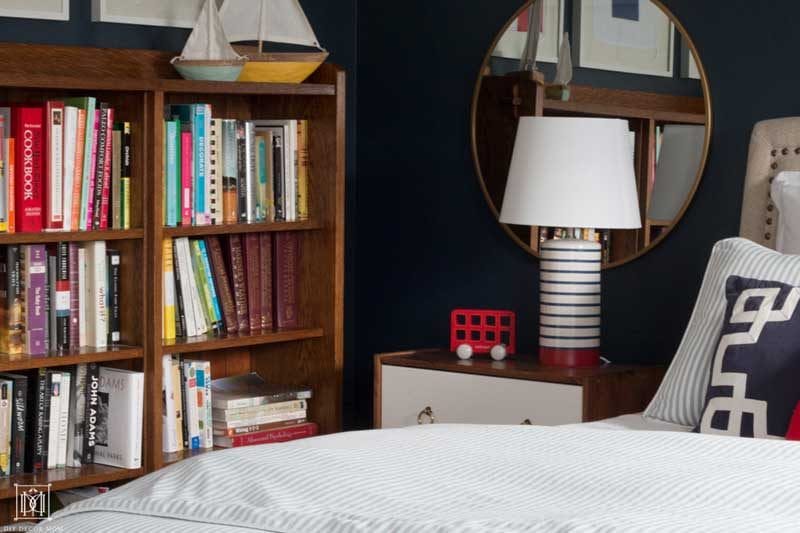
(624, 59)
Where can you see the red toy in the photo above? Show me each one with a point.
(483, 329)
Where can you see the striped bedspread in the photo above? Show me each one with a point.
(462, 478)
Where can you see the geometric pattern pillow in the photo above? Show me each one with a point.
(682, 395)
(755, 372)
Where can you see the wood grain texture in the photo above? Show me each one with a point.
(608, 390)
(17, 363)
(66, 478)
(138, 83)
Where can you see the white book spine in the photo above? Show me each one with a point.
(169, 430)
(188, 311)
(192, 420)
(6, 403)
(70, 140)
(251, 173)
(121, 396)
(56, 165)
(82, 296)
(207, 129)
(267, 419)
(290, 154)
(55, 417)
(138, 404)
(63, 422)
(96, 280)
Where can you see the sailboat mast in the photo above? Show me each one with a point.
(261, 14)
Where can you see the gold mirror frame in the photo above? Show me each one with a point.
(701, 169)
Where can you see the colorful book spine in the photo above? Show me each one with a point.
(251, 173)
(87, 106)
(191, 406)
(11, 172)
(200, 162)
(36, 327)
(4, 179)
(91, 191)
(105, 199)
(303, 166)
(215, 171)
(126, 174)
(74, 297)
(239, 281)
(204, 284)
(261, 169)
(241, 172)
(54, 174)
(186, 178)
(18, 428)
(63, 297)
(211, 283)
(168, 320)
(99, 167)
(173, 172)
(115, 218)
(12, 328)
(252, 258)
(77, 179)
(223, 285)
(300, 431)
(114, 288)
(28, 127)
(286, 273)
(180, 316)
(278, 178)
(230, 169)
(68, 172)
(265, 273)
(6, 421)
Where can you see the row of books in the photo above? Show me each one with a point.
(70, 417)
(228, 412)
(226, 171)
(58, 298)
(603, 236)
(64, 166)
(231, 284)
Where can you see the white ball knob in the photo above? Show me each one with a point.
(498, 352)
(464, 351)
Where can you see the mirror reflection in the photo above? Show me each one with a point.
(627, 59)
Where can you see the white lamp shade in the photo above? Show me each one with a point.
(573, 173)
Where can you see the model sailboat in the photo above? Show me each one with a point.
(277, 21)
(207, 54)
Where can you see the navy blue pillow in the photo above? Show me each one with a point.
(755, 372)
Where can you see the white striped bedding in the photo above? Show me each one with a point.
(462, 478)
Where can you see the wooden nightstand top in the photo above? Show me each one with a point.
(518, 366)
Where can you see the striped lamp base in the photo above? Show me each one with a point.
(569, 285)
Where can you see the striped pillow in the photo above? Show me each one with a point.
(682, 394)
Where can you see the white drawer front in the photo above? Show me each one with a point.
(474, 399)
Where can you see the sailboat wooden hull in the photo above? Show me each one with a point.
(288, 67)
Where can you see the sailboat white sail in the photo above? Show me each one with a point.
(208, 40)
(278, 21)
(564, 67)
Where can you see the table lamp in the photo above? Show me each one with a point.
(571, 173)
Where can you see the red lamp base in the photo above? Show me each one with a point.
(569, 357)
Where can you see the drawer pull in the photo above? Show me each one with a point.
(526, 422)
(426, 412)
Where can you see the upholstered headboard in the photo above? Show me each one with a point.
(774, 146)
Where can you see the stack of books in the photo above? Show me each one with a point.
(64, 166)
(59, 298)
(234, 284)
(186, 388)
(246, 410)
(70, 417)
(225, 171)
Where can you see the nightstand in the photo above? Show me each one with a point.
(427, 386)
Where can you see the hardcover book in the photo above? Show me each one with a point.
(254, 428)
(223, 284)
(249, 390)
(12, 305)
(6, 425)
(92, 414)
(252, 258)
(239, 282)
(105, 195)
(126, 174)
(38, 421)
(54, 416)
(265, 274)
(63, 420)
(74, 296)
(95, 294)
(53, 188)
(18, 425)
(168, 306)
(28, 128)
(119, 424)
(77, 422)
(63, 297)
(35, 280)
(68, 172)
(114, 303)
(230, 172)
(89, 199)
(116, 178)
(86, 106)
(286, 273)
(300, 431)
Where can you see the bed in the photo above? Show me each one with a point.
(638, 472)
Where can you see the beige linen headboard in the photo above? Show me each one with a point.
(774, 146)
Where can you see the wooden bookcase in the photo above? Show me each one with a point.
(138, 83)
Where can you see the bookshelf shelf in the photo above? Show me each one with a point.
(67, 478)
(204, 343)
(170, 458)
(16, 363)
(224, 229)
(138, 84)
(71, 236)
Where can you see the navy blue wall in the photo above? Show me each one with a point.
(428, 242)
